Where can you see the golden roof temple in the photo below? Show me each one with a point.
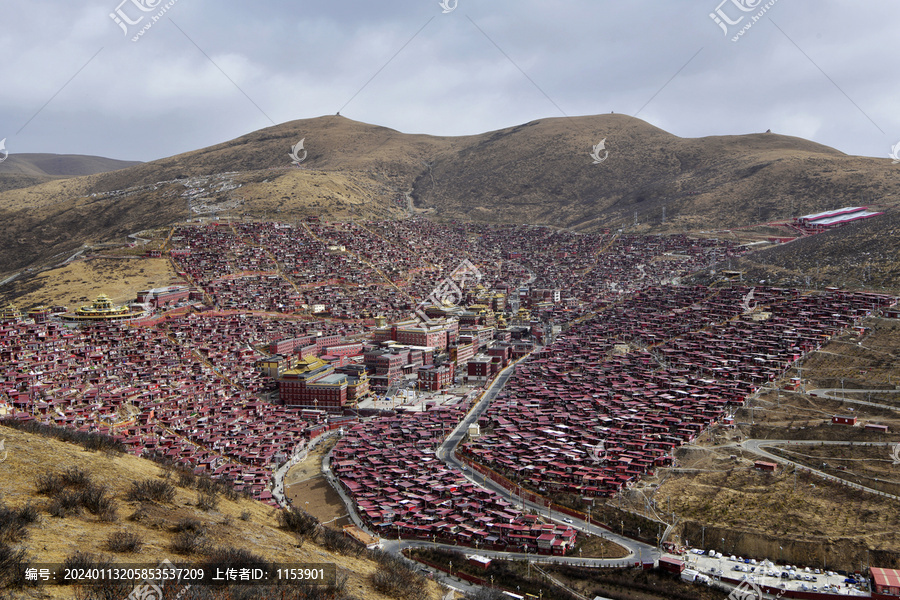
(103, 310)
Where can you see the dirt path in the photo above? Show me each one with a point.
(307, 489)
(311, 466)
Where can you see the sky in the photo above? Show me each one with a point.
(76, 81)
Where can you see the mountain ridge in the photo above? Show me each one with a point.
(30, 169)
(539, 172)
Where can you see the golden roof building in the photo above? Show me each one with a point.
(10, 314)
(103, 310)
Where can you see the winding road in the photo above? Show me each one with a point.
(638, 551)
(830, 394)
(756, 446)
(445, 452)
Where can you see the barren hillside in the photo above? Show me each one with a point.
(189, 526)
(540, 172)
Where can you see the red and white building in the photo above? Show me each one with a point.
(434, 379)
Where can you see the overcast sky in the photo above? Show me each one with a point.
(73, 81)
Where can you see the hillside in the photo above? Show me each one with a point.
(26, 170)
(78, 282)
(177, 529)
(540, 172)
(860, 255)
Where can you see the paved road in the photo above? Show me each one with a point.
(395, 546)
(830, 393)
(637, 550)
(756, 446)
(10, 278)
(281, 472)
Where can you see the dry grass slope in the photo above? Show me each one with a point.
(861, 255)
(163, 527)
(61, 165)
(81, 281)
(802, 519)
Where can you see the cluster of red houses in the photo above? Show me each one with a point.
(233, 343)
(614, 396)
(387, 258)
(157, 391)
(590, 268)
(279, 267)
(351, 271)
(578, 272)
(643, 376)
(264, 292)
(388, 466)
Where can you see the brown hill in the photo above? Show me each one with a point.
(37, 471)
(26, 170)
(540, 172)
(77, 283)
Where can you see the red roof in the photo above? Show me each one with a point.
(885, 577)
